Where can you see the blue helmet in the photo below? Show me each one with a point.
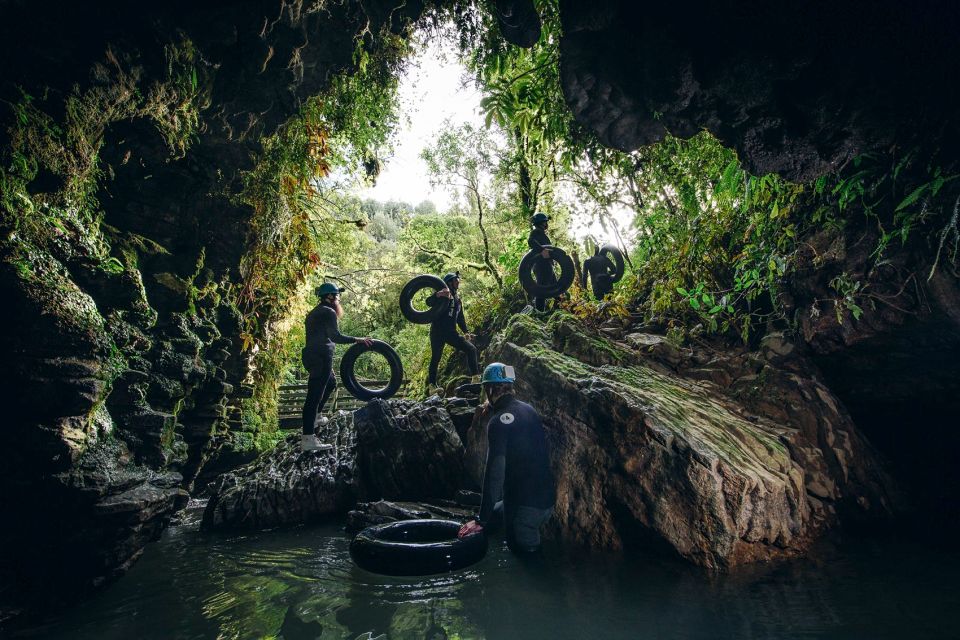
(326, 289)
(451, 276)
(497, 372)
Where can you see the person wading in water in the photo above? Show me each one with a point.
(322, 331)
(443, 329)
(518, 486)
(543, 268)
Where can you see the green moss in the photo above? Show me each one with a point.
(680, 407)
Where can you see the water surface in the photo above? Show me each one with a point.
(300, 583)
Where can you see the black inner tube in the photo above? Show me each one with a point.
(349, 377)
(552, 290)
(417, 284)
(615, 256)
(416, 547)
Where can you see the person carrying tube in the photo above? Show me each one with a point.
(599, 268)
(543, 267)
(518, 486)
(322, 332)
(443, 329)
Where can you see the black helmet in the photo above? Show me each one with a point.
(451, 276)
(539, 218)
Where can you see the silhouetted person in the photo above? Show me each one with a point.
(443, 329)
(543, 267)
(600, 269)
(322, 331)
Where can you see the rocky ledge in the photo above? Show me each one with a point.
(393, 450)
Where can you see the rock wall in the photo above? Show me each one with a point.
(796, 90)
(134, 360)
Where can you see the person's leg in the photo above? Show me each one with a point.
(327, 391)
(436, 350)
(315, 388)
(460, 343)
(523, 528)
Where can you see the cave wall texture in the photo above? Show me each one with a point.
(122, 381)
(119, 383)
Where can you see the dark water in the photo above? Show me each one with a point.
(300, 583)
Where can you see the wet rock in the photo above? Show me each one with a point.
(641, 455)
(408, 450)
(394, 449)
(287, 485)
(368, 514)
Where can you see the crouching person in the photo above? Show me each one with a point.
(518, 487)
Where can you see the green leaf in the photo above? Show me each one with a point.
(695, 303)
(683, 291)
(913, 197)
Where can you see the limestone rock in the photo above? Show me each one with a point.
(394, 449)
(287, 485)
(408, 450)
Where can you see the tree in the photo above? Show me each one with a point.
(465, 158)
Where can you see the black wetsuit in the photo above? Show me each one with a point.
(322, 332)
(543, 267)
(599, 268)
(443, 330)
(517, 481)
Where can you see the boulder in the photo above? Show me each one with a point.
(643, 456)
(288, 486)
(408, 450)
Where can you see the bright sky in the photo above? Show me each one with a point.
(432, 91)
(437, 87)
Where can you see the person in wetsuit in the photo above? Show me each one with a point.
(543, 267)
(599, 268)
(322, 331)
(518, 486)
(443, 329)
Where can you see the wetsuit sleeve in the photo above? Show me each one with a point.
(583, 273)
(333, 329)
(495, 471)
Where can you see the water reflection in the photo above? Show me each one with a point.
(298, 584)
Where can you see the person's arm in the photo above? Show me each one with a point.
(495, 471)
(583, 273)
(333, 329)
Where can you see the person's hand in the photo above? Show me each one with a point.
(545, 253)
(484, 408)
(366, 341)
(469, 337)
(469, 529)
(443, 293)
